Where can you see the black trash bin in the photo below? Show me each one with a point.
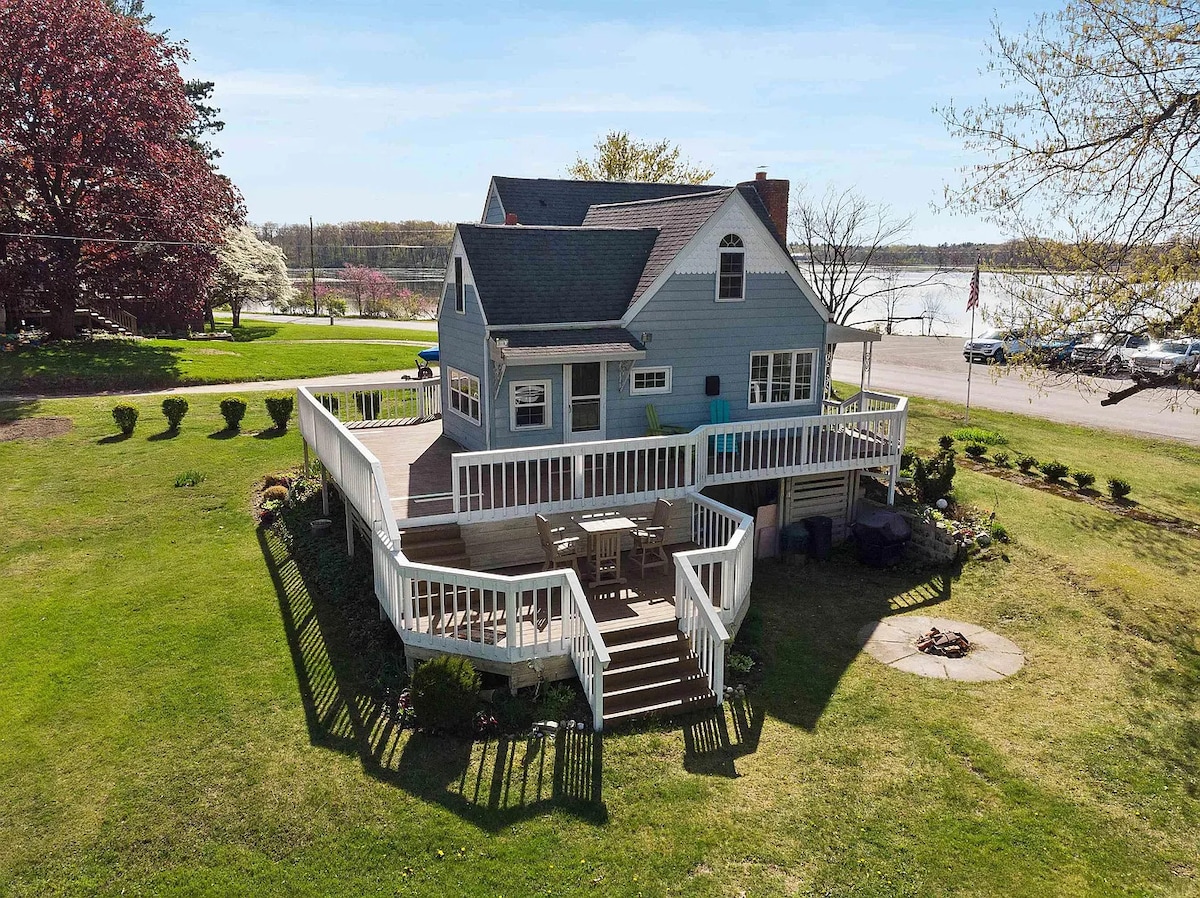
(820, 536)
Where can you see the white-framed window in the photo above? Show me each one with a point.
(644, 381)
(464, 394)
(782, 377)
(731, 269)
(460, 304)
(529, 405)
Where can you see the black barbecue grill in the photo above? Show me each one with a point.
(881, 537)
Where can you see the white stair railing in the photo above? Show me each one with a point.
(698, 621)
(408, 401)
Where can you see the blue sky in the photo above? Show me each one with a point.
(374, 110)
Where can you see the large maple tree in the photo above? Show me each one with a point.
(108, 199)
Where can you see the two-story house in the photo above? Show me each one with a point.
(605, 345)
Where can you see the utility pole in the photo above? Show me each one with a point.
(312, 264)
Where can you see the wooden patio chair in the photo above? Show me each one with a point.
(559, 550)
(656, 428)
(649, 541)
(606, 559)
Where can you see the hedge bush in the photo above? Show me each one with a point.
(1083, 479)
(1118, 488)
(276, 493)
(1027, 463)
(979, 435)
(280, 409)
(174, 407)
(1000, 459)
(233, 409)
(977, 450)
(933, 479)
(126, 417)
(445, 694)
(946, 442)
(1054, 470)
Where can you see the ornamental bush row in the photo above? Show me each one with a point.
(233, 410)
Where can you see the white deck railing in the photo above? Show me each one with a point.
(699, 622)
(468, 613)
(512, 483)
(724, 563)
(407, 401)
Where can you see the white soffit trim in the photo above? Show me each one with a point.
(753, 232)
(839, 333)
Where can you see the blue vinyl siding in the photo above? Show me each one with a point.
(494, 214)
(698, 337)
(503, 436)
(461, 345)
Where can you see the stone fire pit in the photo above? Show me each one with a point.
(987, 656)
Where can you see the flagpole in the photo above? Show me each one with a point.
(970, 367)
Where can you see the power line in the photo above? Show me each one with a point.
(112, 240)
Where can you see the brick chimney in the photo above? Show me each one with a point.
(774, 195)
(511, 217)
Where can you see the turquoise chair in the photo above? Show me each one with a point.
(718, 413)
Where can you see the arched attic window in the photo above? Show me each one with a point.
(731, 269)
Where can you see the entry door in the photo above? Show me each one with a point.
(584, 396)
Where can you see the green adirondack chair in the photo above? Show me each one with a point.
(656, 427)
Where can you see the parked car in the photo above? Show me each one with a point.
(1179, 354)
(1054, 350)
(996, 345)
(1108, 353)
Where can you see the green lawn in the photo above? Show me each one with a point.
(193, 707)
(125, 365)
(254, 329)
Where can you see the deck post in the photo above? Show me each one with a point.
(349, 528)
(304, 442)
(324, 491)
(893, 473)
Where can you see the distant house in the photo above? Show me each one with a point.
(605, 346)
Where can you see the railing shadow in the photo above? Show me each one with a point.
(811, 619)
(348, 664)
(710, 747)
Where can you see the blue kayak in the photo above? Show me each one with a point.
(430, 354)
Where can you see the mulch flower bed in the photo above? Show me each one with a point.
(1125, 508)
(34, 428)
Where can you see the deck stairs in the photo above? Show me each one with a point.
(652, 672)
(441, 544)
(92, 320)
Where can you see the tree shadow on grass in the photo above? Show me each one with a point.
(224, 433)
(349, 666)
(113, 438)
(16, 409)
(248, 333)
(812, 616)
(92, 366)
(164, 435)
(271, 433)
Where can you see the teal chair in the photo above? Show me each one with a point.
(718, 413)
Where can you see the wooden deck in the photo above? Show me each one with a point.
(416, 466)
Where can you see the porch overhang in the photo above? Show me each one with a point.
(565, 346)
(840, 333)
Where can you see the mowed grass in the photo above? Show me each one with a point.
(320, 329)
(128, 365)
(191, 706)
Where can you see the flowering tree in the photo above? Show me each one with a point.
(248, 270)
(107, 196)
(370, 288)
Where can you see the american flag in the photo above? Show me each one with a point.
(973, 298)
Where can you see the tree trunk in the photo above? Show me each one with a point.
(208, 317)
(65, 292)
(235, 306)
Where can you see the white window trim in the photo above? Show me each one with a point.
(547, 403)
(722, 250)
(451, 373)
(634, 390)
(795, 353)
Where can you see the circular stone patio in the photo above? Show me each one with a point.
(894, 642)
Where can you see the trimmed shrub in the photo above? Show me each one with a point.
(1118, 488)
(1054, 470)
(174, 407)
(277, 480)
(445, 693)
(1027, 463)
(331, 402)
(367, 403)
(190, 478)
(934, 478)
(999, 532)
(126, 417)
(1001, 460)
(977, 450)
(280, 409)
(946, 443)
(1083, 479)
(233, 409)
(979, 435)
(276, 493)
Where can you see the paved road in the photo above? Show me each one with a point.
(430, 326)
(934, 367)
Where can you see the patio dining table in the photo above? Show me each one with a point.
(597, 528)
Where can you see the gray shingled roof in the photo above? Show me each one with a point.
(542, 344)
(549, 201)
(676, 218)
(528, 275)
